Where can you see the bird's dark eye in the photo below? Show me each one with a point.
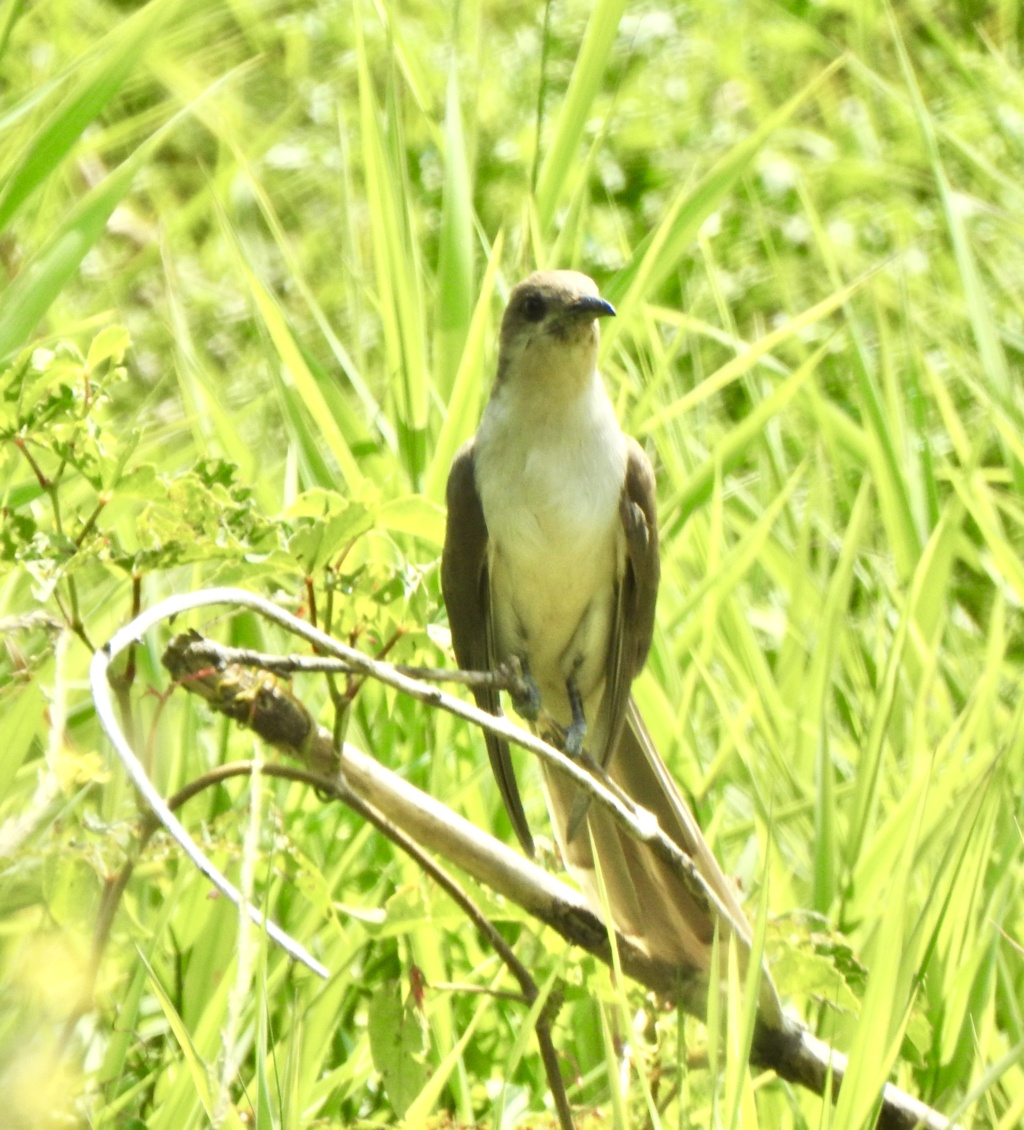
(534, 308)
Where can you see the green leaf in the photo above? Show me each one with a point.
(299, 386)
(415, 515)
(23, 709)
(398, 1045)
(191, 1056)
(330, 524)
(43, 277)
(465, 399)
(658, 256)
(110, 344)
(455, 283)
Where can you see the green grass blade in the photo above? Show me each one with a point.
(197, 1070)
(819, 684)
(994, 367)
(374, 412)
(752, 354)
(456, 287)
(42, 278)
(886, 1006)
(397, 268)
(119, 55)
(658, 255)
(734, 446)
(423, 1105)
(301, 385)
(563, 152)
(464, 402)
(935, 560)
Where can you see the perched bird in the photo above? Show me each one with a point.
(551, 559)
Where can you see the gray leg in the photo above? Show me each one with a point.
(578, 729)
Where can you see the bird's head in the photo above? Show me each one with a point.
(550, 328)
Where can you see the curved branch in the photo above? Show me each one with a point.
(99, 686)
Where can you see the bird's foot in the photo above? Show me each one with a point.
(572, 742)
(522, 689)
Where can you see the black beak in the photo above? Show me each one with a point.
(590, 306)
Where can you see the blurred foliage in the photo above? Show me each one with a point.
(252, 256)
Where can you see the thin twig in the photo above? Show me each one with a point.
(507, 679)
(98, 671)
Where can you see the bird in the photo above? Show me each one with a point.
(551, 561)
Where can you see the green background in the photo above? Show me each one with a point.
(252, 257)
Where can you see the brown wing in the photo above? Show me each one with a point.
(633, 626)
(638, 594)
(466, 589)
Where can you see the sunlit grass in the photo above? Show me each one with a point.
(308, 219)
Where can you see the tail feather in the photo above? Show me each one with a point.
(647, 899)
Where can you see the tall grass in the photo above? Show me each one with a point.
(307, 218)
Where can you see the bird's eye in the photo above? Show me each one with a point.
(533, 307)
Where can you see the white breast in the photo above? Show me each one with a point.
(550, 476)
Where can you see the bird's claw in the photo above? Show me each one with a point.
(572, 744)
(522, 689)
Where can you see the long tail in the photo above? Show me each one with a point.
(647, 899)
